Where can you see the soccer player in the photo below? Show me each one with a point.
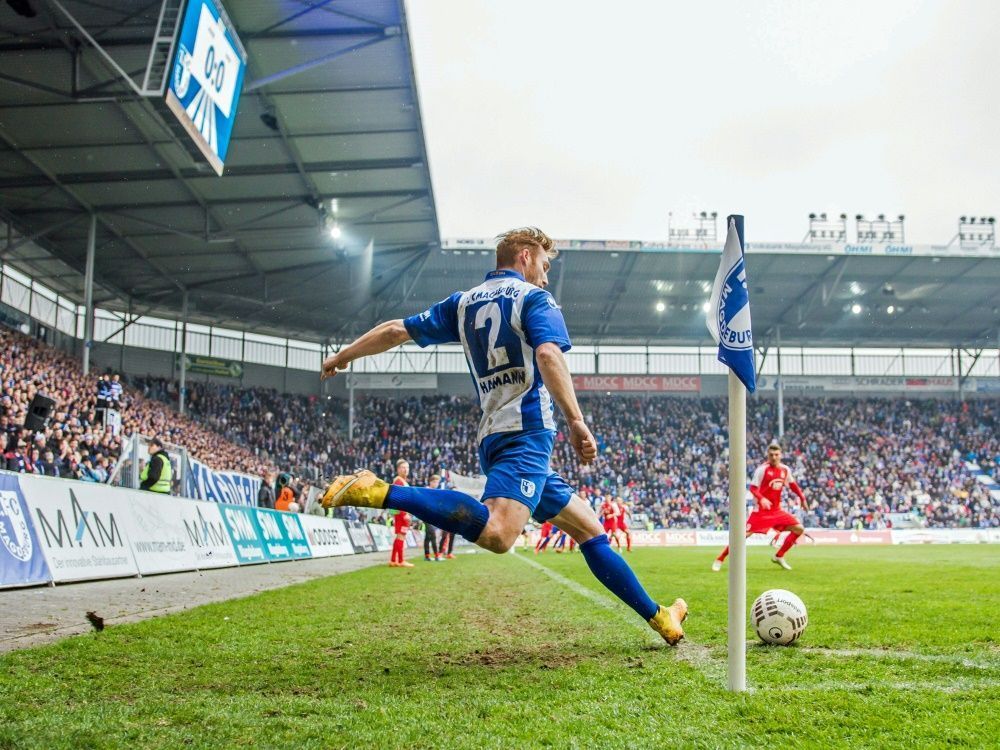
(624, 513)
(430, 533)
(769, 481)
(545, 534)
(401, 521)
(514, 337)
(609, 512)
(560, 543)
(400, 525)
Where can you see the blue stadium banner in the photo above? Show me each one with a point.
(728, 316)
(205, 483)
(21, 559)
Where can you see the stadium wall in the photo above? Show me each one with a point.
(56, 530)
(138, 361)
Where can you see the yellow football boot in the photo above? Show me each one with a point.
(362, 489)
(667, 621)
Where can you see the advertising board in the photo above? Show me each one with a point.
(327, 537)
(81, 528)
(22, 562)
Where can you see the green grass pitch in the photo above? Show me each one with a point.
(902, 649)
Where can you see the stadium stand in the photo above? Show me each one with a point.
(81, 447)
(858, 459)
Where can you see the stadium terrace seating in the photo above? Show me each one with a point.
(857, 459)
(81, 448)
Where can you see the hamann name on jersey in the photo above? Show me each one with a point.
(500, 323)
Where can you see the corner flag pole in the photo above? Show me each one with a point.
(728, 321)
(737, 662)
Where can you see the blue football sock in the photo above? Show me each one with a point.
(447, 509)
(611, 569)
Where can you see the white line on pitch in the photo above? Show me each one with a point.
(957, 685)
(887, 655)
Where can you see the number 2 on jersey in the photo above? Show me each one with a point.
(495, 356)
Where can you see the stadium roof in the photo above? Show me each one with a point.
(609, 291)
(329, 110)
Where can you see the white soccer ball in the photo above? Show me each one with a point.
(779, 617)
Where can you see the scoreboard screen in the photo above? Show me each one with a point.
(206, 78)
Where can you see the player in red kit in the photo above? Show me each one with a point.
(544, 536)
(609, 513)
(768, 482)
(401, 521)
(623, 515)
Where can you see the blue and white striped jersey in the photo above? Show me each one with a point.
(499, 324)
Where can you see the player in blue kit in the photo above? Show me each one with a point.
(514, 338)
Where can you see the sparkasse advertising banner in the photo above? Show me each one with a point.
(21, 560)
(242, 526)
(281, 534)
(81, 528)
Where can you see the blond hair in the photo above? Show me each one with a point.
(513, 241)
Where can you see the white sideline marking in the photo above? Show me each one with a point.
(714, 669)
(699, 657)
(957, 685)
(887, 655)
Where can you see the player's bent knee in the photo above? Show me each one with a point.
(492, 541)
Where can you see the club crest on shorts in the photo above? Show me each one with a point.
(527, 488)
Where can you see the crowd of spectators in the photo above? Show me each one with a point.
(77, 443)
(860, 461)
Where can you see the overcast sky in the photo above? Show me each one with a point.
(597, 119)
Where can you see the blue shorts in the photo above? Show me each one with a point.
(518, 465)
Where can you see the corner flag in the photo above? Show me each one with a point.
(729, 308)
(728, 321)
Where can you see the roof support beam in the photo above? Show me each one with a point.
(316, 62)
(962, 377)
(255, 170)
(97, 46)
(621, 284)
(12, 246)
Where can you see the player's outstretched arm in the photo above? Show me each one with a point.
(381, 338)
(555, 375)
